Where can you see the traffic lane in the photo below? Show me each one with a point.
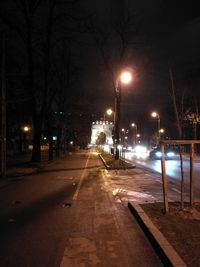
(53, 176)
(172, 166)
(35, 228)
(173, 174)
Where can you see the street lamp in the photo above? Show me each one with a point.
(109, 112)
(156, 115)
(25, 130)
(124, 78)
(162, 131)
(137, 138)
(134, 125)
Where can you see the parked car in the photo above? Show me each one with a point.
(157, 154)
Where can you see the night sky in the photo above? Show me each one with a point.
(159, 35)
(170, 37)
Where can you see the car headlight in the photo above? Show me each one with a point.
(170, 154)
(158, 154)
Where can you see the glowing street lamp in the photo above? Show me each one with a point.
(124, 78)
(26, 128)
(109, 112)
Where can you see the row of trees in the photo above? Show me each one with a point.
(41, 40)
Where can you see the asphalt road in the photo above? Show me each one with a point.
(34, 213)
(172, 171)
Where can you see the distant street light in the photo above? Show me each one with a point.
(24, 145)
(156, 115)
(109, 112)
(134, 125)
(26, 128)
(124, 78)
(137, 138)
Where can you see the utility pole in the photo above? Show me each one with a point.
(3, 109)
(117, 117)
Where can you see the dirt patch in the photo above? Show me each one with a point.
(180, 227)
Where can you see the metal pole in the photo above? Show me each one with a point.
(191, 175)
(136, 134)
(117, 118)
(164, 180)
(3, 110)
(159, 127)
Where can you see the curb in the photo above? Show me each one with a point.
(163, 248)
(115, 168)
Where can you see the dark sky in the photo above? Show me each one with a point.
(160, 33)
(171, 37)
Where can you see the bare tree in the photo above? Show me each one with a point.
(40, 25)
(118, 41)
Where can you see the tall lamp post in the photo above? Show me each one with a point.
(124, 78)
(156, 115)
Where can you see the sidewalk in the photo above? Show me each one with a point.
(162, 247)
(105, 233)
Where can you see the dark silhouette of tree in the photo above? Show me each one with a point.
(39, 26)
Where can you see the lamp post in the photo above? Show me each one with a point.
(156, 115)
(24, 144)
(124, 78)
(137, 138)
(134, 125)
(109, 112)
(162, 131)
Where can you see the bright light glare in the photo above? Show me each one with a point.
(119, 147)
(170, 154)
(158, 154)
(26, 128)
(109, 111)
(126, 77)
(140, 149)
(154, 114)
(106, 148)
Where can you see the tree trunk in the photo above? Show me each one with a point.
(180, 132)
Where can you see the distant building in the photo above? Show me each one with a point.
(102, 128)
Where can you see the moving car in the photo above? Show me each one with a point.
(157, 154)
